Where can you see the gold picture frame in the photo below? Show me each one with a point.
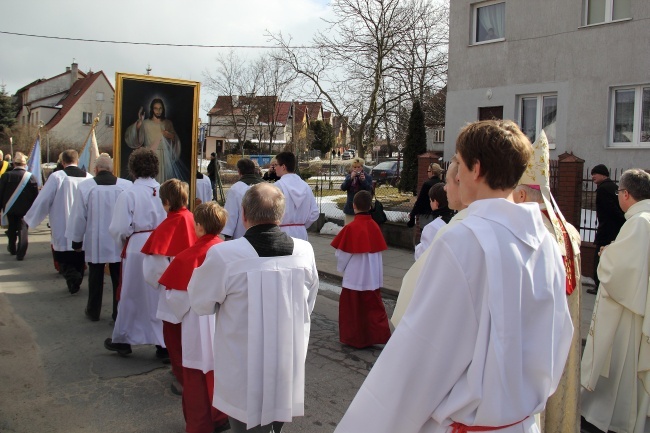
(173, 135)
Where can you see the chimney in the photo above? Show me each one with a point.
(74, 73)
(67, 68)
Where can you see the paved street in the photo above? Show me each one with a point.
(57, 377)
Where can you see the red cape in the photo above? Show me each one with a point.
(362, 235)
(178, 273)
(175, 234)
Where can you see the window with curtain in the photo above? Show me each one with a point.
(630, 116)
(537, 113)
(87, 118)
(489, 22)
(604, 11)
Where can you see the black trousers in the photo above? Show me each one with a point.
(96, 287)
(72, 266)
(17, 234)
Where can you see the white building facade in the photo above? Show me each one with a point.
(578, 69)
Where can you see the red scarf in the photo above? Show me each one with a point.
(178, 273)
(362, 235)
(175, 234)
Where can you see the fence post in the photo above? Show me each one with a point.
(569, 187)
(423, 164)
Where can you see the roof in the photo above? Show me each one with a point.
(224, 105)
(311, 108)
(43, 80)
(74, 94)
(282, 111)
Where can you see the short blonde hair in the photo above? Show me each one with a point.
(355, 161)
(211, 216)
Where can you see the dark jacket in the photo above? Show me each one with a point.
(445, 214)
(421, 206)
(363, 185)
(8, 184)
(610, 216)
(211, 169)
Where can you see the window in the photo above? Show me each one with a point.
(87, 118)
(110, 120)
(99, 96)
(605, 11)
(537, 112)
(489, 22)
(630, 116)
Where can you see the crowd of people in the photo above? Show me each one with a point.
(485, 327)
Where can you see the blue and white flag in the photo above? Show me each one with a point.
(34, 162)
(89, 153)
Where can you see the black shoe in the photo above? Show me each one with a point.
(122, 349)
(20, 258)
(223, 427)
(90, 316)
(592, 291)
(12, 251)
(73, 288)
(163, 354)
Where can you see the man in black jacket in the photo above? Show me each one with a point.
(18, 190)
(212, 171)
(421, 209)
(610, 216)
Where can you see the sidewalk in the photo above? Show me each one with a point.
(398, 261)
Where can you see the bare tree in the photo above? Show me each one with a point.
(374, 54)
(237, 83)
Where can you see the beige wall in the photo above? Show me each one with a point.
(71, 127)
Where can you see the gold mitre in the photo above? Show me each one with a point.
(537, 176)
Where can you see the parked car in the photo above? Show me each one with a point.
(386, 172)
(348, 154)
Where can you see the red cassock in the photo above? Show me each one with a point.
(362, 316)
(175, 234)
(200, 415)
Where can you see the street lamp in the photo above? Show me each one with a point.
(47, 139)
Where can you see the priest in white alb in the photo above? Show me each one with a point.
(301, 208)
(138, 211)
(616, 358)
(263, 287)
(87, 228)
(483, 342)
(56, 200)
(562, 410)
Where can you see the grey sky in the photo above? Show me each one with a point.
(207, 22)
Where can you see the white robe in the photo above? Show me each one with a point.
(235, 224)
(204, 189)
(616, 358)
(361, 272)
(137, 212)
(411, 277)
(197, 332)
(90, 217)
(56, 199)
(301, 209)
(262, 327)
(428, 234)
(486, 337)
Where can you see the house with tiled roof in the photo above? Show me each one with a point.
(66, 105)
(262, 120)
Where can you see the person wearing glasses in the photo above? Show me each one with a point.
(609, 214)
(615, 360)
(421, 214)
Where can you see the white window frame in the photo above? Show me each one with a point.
(87, 118)
(475, 9)
(609, 11)
(110, 120)
(99, 96)
(636, 129)
(539, 114)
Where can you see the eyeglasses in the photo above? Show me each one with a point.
(619, 190)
